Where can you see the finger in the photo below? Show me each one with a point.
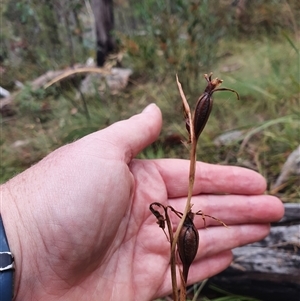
(125, 139)
(209, 178)
(219, 239)
(233, 209)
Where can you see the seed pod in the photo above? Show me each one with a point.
(205, 102)
(202, 112)
(204, 105)
(187, 244)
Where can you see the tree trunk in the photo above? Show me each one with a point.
(104, 23)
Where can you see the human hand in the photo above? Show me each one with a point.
(79, 224)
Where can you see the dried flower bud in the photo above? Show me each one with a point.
(160, 218)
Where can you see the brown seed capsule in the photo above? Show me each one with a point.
(205, 102)
(202, 112)
(187, 244)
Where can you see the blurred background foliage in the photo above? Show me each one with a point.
(252, 45)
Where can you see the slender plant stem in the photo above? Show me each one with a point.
(186, 211)
(172, 259)
(192, 171)
(190, 192)
(192, 164)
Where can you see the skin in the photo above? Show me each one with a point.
(79, 224)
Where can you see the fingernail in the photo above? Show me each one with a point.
(149, 108)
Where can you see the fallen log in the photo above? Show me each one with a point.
(269, 269)
(46, 80)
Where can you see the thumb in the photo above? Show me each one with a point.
(126, 138)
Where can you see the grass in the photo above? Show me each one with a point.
(267, 113)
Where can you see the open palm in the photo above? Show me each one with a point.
(80, 227)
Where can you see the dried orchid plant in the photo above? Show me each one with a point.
(186, 238)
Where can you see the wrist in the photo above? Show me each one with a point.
(6, 266)
(9, 239)
(23, 236)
